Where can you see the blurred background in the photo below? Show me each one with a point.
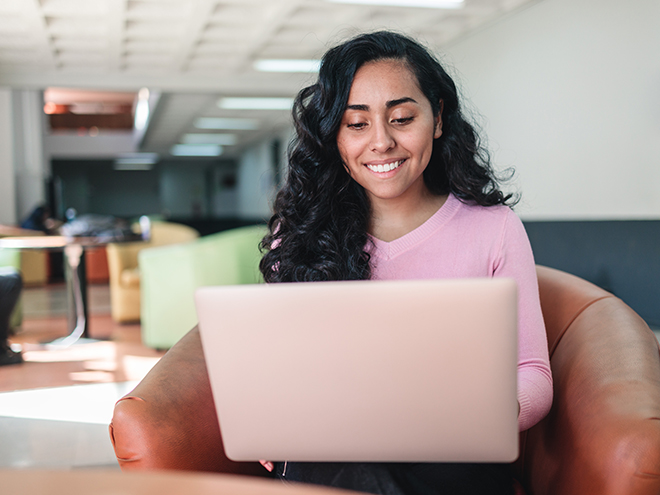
(181, 109)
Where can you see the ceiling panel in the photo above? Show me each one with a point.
(195, 51)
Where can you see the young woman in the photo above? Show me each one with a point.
(388, 181)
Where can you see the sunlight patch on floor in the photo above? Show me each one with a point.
(90, 404)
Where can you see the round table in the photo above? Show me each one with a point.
(112, 482)
(73, 248)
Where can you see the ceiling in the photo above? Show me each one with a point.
(193, 52)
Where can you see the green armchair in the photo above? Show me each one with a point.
(12, 258)
(169, 276)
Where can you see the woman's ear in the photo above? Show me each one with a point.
(437, 132)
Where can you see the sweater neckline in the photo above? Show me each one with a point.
(386, 250)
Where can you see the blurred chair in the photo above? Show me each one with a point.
(32, 264)
(12, 258)
(602, 435)
(124, 271)
(34, 268)
(170, 275)
(96, 266)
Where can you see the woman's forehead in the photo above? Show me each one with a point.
(384, 81)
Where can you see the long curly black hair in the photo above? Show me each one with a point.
(321, 215)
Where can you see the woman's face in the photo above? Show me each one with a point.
(387, 131)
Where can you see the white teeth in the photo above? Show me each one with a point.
(385, 168)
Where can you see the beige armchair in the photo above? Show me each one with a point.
(124, 270)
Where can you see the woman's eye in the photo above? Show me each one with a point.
(403, 120)
(356, 125)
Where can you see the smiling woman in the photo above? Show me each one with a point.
(388, 181)
(381, 86)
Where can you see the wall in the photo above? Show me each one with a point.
(7, 179)
(23, 168)
(108, 144)
(32, 168)
(183, 188)
(92, 186)
(256, 187)
(180, 188)
(570, 94)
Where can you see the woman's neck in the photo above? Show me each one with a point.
(392, 219)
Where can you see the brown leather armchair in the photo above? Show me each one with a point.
(602, 435)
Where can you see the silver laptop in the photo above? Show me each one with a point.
(384, 371)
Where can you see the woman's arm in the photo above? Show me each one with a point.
(534, 376)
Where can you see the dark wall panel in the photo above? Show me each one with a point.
(623, 257)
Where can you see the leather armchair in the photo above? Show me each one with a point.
(602, 435)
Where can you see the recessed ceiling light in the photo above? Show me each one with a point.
(227, 124)
(430, 4)
(255, 103)
(209, 138)
(281, 65)
(196, 150)
(132, 166)
(135, 161)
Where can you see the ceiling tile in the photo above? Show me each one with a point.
(61, 26)
(13, 24)
(201, 45)
(74, 8)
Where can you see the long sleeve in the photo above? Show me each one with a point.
(534, 375)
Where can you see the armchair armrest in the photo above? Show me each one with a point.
(602, 434)
(169, 420)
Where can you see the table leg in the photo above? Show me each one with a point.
(72, 256)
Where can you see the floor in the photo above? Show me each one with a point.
(55, 408)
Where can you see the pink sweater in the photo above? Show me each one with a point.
(461, 241)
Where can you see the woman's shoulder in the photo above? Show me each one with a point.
(471, 209)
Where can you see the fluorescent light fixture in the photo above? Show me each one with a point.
(136, 161)
(132, 166)
(196, 150)
(429, 4)
(255, 103)
(282, 65)
(209, 138)
(227, 124)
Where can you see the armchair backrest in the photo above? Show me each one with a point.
(169, 276)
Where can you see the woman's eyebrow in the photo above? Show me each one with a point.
(363, 108)
(393, 103)
(389, 104)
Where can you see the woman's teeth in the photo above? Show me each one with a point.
(386, 167)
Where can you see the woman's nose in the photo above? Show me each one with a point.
(381, 138)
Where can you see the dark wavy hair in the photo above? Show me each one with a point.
(321, 215)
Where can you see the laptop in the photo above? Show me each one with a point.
(382, 371)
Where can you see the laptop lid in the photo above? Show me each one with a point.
(394, 371)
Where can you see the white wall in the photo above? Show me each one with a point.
(7, 178)
(30, 165)
(570, 94)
